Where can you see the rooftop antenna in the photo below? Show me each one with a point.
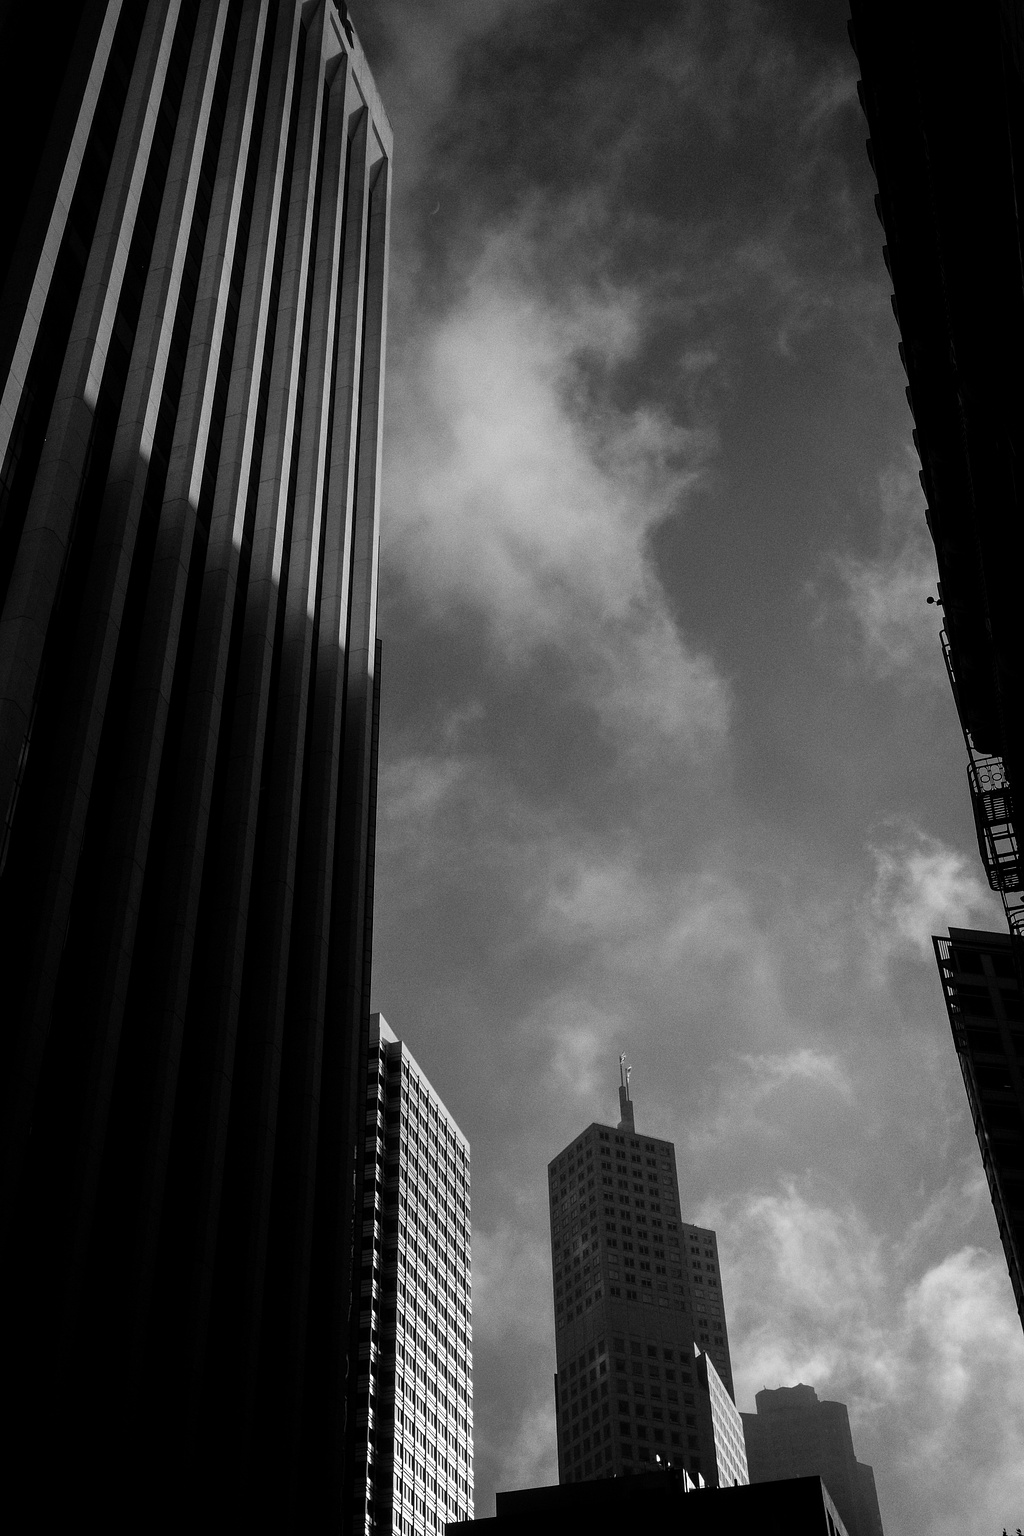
(625, 1102)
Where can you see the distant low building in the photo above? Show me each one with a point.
(662, 1501)
(796, 1434)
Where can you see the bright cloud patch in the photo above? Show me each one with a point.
(887, 595)
(510, 496)
(511, 1285)
(925, 1348)
(920, 886)
(762, 1095)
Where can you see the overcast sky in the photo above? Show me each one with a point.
(668, 760)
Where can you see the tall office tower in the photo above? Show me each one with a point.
(414, 1417)
(985, 1004)
(950, 198)
(795, 1434)
(634, 1289)
(192, 351)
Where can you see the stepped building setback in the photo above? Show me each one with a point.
(642, 1349)
(191, 363)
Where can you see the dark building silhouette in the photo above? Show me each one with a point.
(643, 1369)
(985, 1004)
(191, 352)
(662, 1501)
(943, 94)
(950, 196)
(795, 1434)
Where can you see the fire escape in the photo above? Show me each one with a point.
(992, 800)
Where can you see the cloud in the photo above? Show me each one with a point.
(414, 788)
(766, 1095)
(513, 498)
(527, 1457)
(924, 1346)
(886, 595)
(515, 1434)
(922, 886)
(511, 1285)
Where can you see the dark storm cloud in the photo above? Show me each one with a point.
(668, 763)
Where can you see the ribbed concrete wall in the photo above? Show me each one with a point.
(190, 432)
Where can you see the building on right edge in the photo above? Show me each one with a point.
(950, 195)
(950, 200)
(795, 1434)
(985, 1004)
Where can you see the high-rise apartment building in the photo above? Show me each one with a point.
(796, 1434)
(414, 1413)
(637, 1296)
(985, 1004)
(191, 361)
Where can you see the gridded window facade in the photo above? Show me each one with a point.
(637, 1296)
(730, 1451)
(415, 1388)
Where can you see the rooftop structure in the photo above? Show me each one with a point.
(662, 1501)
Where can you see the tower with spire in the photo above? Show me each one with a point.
(643, 1371)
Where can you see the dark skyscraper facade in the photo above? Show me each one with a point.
(192, 364)
(643, 1368)
(986, 1014)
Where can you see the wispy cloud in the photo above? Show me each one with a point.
(921, 886)
(511, 1285)
(924, 1347)
(763, 1096)
(886, 593)
(508, 497)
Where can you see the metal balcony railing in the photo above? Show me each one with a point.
(992, 799)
